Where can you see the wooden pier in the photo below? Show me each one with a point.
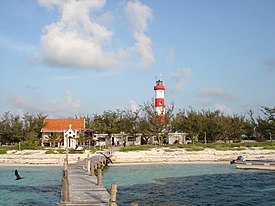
(81, 187)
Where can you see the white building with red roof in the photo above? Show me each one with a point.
(62, 132)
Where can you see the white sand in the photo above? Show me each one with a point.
(159, 155)
(37, 157)
(183, 156)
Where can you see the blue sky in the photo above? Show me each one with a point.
(79, 57)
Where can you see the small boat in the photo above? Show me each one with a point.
(241, 163)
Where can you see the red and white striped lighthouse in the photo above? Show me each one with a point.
(159, 99)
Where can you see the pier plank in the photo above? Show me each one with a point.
(83, 188)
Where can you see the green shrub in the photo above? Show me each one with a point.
(93, 149)
(178, 146)
(9, 147)
(75, 151)
(270, 146)
(226, 148)
(195, 148)
(137, 148)
(52, 151)
(169, 150)
(29, 145)
(3, 151)
(61, 151)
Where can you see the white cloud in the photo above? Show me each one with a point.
(214, 96)
(211, 95)
(180, 77)
(224, 109)
(77, 40)
(74, 105)
(139, 15)
(133, 105)
(67, 105)
(50, 3)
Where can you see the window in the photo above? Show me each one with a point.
(131, 139)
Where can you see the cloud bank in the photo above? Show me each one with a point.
(133, 105)
(224, 109)
(79, 40)
(210, 95)
(217, 98)
(180, 78)
(139, 15)
(54, 107)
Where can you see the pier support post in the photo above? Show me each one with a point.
(65, 182)
(92, 169)
(113, 192)
(99, 176)
(65, 166)
(89, 166)
(86, 160)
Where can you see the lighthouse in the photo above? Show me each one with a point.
(159, 99)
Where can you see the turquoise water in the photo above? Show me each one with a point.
(191, 184)
(126, 175)
(40, 185)
(180, 184)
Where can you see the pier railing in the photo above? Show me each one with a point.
(82, 183)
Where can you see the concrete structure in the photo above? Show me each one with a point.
(117, 139)
(100, 140)
(172, 138)
(123, 138)
(177, 138)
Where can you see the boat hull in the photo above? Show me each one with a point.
(260, 165)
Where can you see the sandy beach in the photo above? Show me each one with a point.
(37, 157)
(183, 156)
(156, 155)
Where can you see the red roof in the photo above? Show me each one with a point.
(59, 125)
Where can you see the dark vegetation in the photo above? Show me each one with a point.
(214, 126)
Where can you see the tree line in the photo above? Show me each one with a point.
(14, 128)
(212, 126)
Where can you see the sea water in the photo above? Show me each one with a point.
(163, 184)
(190, 184)
(40, 185)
